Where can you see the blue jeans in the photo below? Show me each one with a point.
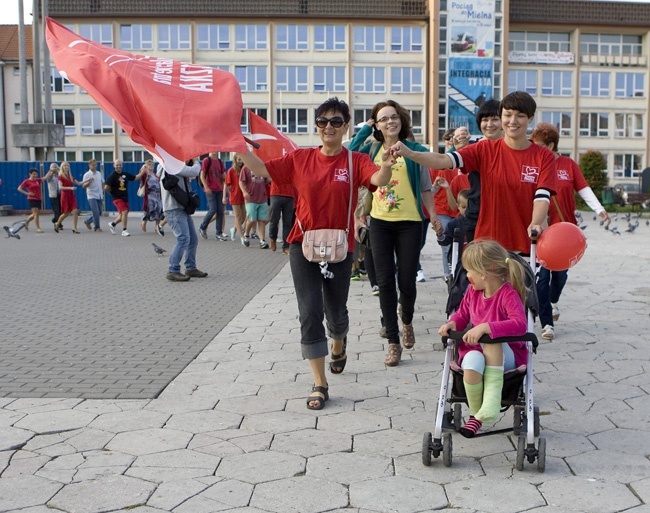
(396, 248)
(96, 209)
(549, 288)
(186, 240)
(215, 206)
(281, 205)
(320, 297)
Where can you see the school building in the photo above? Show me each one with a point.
(584, 62)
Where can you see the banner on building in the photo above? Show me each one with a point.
(470, 68)
(541, 57)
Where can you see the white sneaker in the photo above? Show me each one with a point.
(232, 233)
(420, 276)
(556, 311)
(547, 332)
(375, 290)
(125, 233)
(111, 227)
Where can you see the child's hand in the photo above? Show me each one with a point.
(440, 182)
(443, 330)
(472, 336)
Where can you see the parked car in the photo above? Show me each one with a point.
(629, 193)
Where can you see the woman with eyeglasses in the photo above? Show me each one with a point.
(322, 181)
(396, 221)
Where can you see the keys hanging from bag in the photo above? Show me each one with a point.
(329, 245)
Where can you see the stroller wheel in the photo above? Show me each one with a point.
(541, 455)
(458, 416)
(426, 449)
(521, 452)
(447, 449)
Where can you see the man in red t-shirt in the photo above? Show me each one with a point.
(517, 176)
(213, 173)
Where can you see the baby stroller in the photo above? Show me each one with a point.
(517, 386)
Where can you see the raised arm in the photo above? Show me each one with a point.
(255, 164)
(429, 159)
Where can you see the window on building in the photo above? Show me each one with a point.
(522, 80)
(611, 44)
(291, 78)
(628, 125)
(100, 33)
(251, 78)
(627, 165)
(16, 108)
(594, 83)
(292, 121)
(406, 80)
(136, 156)
(406, 39)
(65, 156)
(213, 37)
(562, 120)
(95, 121)
(250, 37)
(174, 36)
(539, 42)
(360, 116)
(98, 155)
(222, 67)
(556, 83)
(329, 37)
(416, 121)
(58, 84)
(594, 124)
(630, 85)
(369, 39)
(369, 79)
(329, 78)
(136, 37)
(65, 117)
(16, 71)
(292, 37)
(261, 112)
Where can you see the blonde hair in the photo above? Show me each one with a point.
(489, 257)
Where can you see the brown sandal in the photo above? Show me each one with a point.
(394, 355)
(338, 361)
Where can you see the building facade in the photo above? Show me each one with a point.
(584, 62)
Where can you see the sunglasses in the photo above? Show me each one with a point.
(336, 122)
(448, 138)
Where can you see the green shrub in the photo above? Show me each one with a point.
(593, 166)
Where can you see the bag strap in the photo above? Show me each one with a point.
(557, 207)
(347, 230)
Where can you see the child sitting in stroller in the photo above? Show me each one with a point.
(494, 304)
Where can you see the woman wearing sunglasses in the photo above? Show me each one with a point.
(396, 221)
(322, 181)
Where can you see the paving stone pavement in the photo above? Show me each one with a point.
(231, 431)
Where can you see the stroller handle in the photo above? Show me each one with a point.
(486, 339)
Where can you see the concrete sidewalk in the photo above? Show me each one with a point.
(232, 433)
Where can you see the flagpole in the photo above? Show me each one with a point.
(24, 105)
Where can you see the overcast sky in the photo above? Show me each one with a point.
(9, 10)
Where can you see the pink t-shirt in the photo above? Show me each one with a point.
(504, 312)
(254, 185)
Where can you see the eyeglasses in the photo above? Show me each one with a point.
(336, 122)
(386, 119)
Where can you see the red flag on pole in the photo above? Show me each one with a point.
(174, 109)
(273, 143)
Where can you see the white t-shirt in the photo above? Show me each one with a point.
(95, 190)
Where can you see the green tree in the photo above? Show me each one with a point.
(593, 166)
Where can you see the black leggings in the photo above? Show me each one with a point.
(396, 249)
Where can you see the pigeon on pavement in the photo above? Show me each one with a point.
(159, 251)
(15, 228)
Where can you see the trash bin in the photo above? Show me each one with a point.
(607, 196)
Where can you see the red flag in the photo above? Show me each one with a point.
(174, 109)
(273, 143)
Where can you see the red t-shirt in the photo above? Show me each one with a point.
(33, 188)
(214, 170)
(255, 186)
(569, 179)
(459, 183)
(323, 187)
(440, 197)
(285, 189)
(232, 181)
(510, 180)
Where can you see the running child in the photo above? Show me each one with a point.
(494, 305)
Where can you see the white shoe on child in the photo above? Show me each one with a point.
(556, 311)
(547, 332)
